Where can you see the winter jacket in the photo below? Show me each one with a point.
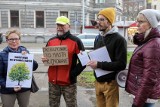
(143, 80)
(66, 74)
(3, 69)
(117, 49)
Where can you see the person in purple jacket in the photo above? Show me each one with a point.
(143, 80)
(9, 95)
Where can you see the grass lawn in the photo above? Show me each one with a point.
(86, 79)
(129, 54)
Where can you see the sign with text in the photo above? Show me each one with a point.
(19, 71)
(57, 55)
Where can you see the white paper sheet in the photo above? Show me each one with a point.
(100, 54)
(83, 57)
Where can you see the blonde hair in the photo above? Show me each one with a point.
(13, 31)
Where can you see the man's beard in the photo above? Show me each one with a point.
(100, 28)
(60, 33)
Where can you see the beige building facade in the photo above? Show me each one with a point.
(36, 18)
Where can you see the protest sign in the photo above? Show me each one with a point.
(57, 55)
(19, 71)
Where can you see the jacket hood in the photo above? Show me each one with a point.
(113, 30)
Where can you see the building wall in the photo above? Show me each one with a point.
(156, 4)
(27, 15)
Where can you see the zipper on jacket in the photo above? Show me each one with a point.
(57, 67)
(56, 74)
(61, 42)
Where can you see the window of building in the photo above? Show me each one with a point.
(39, 19)
(14, 17)
(64, 13)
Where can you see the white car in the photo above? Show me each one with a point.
(87, 39)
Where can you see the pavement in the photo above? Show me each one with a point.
(85, 96)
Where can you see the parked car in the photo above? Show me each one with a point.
(87, 39)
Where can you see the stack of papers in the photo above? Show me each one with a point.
(100, 55)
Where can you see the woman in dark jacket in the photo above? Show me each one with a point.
(9, 95)
(143, 81)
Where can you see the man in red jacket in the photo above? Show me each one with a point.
(63, 78)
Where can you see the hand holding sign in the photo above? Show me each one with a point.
(44, 59)
(16, 89)
(24, 52)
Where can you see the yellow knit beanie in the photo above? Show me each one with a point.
(109, 13)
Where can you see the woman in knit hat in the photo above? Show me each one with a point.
(143, 81)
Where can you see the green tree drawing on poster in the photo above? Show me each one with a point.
(19, 72)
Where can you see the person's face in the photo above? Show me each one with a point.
(13, 41)
(62, 29)
(102, 23)
(142, 24)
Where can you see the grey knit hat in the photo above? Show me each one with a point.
(153, 16)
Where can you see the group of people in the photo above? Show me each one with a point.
(143, 74)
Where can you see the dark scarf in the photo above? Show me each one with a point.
(138, 38)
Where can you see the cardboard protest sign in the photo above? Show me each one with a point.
(57, 55)
(19, 71)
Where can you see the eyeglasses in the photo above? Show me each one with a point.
(141, 21)
(101, 19)
(13, 39)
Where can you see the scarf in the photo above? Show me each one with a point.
(141, 38)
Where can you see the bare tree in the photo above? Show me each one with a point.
(132, 7)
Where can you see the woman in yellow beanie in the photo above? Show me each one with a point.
(107, 90)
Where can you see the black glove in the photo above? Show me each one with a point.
(134, 105)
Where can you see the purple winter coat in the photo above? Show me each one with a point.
(143, 79)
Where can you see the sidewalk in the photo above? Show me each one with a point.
(85, 96)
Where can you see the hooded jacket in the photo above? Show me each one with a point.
(66, 74)
(117, 49)
(143, 80)
(3, 69)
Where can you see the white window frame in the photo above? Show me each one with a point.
(60, 12)
(9, 18)
(35, 18)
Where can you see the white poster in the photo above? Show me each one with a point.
(100, 54)
(83, 57)
(19, 71)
